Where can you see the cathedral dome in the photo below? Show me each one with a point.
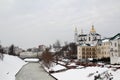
(92, 30)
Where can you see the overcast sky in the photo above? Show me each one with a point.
(29, 23)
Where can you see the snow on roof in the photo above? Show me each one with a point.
(105, 40)
(92, 44)
(52, 50)
(72, 64)
(117, 36)
(61, 62)
(10, 66)
(31, 59)
(84, 44)
(57, 67)
(90, 59)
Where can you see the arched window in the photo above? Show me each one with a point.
(89, 38)
(115, 44)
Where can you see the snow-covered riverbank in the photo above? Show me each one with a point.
(9, 66)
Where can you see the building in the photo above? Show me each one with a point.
(103, 49)
(86, 51)
(115, 49)
(42, 48)
(91, 38)
(87, 44)
(92, 46)
(18, 50)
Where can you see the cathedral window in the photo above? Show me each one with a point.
(89, 38)
(95, 38)
(83, 49)
(112, 54)
(111, 43)
(115, 44)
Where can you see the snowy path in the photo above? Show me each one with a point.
(33, 71)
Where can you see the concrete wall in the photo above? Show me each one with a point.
(115, 60)
(30, 55)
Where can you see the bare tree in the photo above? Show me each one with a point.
(1, 49)
(72, 50)
(12, 50)
(57, 45)
(1, 53)
(47, 58)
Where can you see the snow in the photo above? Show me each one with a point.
(10, 66)
(52, 50)
(90, 59)
(116, 75)
(54, 67)
(79, 67)
(85, 72)
(66, 60)
(106, 40)
(117, 37)
(72, 64)
(31, 59)
(57, 67)
(84, 45)
(77, 74)
(61, 62)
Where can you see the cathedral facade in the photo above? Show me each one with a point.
(87, 44)
(91, 38)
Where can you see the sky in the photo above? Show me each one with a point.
(29, 23)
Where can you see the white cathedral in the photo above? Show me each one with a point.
(91, 39)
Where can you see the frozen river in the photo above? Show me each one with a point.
(33, 71)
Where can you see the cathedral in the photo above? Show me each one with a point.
(90, 39)
(91, 46)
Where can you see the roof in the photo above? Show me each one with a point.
(117, 36)
(95, 34)
(85, 44)
(82, 35)
(82, 40)
(52, 50)
(106, 40)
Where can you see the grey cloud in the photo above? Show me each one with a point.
(30, 23)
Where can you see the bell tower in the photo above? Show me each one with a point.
(76, 35)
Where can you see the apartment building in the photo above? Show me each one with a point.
(85, 51)
(115, 49)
